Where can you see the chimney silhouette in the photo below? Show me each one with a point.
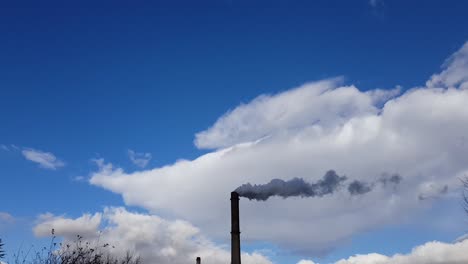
(235, 232)
(198, 260)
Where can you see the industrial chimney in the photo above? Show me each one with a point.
(198, 260)
(235, 232)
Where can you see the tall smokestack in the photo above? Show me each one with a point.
(198, 260)
(235, 232)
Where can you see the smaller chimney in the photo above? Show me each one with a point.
(198, 260)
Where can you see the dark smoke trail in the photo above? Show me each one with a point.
(358, 187)
(394, 179)
(298, 187)
(295, 187)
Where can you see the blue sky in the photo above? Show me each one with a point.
(87, 82)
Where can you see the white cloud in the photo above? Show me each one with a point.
(45, 160)
(455, 71)
(381, 96)
(86, 225)
(304, 132)
(4, 147)
(139, 159)
(321, 102)
(305, 261)
(431, 190)
(154, 239)
(429, 253)
(462, 238)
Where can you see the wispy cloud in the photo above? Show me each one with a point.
(377, 8)
(6, 218)
(454, 71)
(139, 159)
(45, 160)
(79, 178)
(4, 147)
(376, 3)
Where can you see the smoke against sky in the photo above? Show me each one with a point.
(294, 187)
(330, 183)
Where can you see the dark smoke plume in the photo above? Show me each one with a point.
(298, 187)
(295, 187)
(358, 187)
(394, 179)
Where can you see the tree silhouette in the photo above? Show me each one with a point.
(2, 253)
(465, 194)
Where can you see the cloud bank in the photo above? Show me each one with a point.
(303, 132)
(430, 253)
(154, 239)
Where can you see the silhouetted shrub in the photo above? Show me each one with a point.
(465, 194)
(2, 253)
(76, 252)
